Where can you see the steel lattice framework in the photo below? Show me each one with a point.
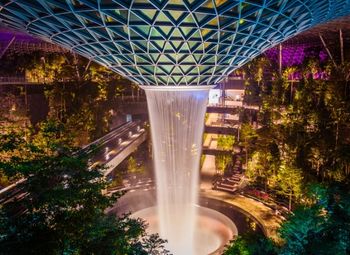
(169, 42)
(11, 43)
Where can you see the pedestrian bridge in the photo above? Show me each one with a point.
(110, 150)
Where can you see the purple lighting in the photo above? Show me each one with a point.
(7, 35)
(293, 55)
(17, 42)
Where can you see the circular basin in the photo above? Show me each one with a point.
(213, 229)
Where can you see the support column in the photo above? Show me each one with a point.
(280, 58)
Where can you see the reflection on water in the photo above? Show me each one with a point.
(212, 230)
(140, 199)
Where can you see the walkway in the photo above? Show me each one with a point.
(208, 169)
(263, 214)
(116, 146)
(110, 150)
(220, 130)
(222, 109)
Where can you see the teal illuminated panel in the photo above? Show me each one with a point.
(169, 42)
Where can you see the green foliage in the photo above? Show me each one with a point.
(117, 180)
(134, 167)
(261, 167)
(304, 128)
(322, 227)
(248, 134)
(238, 246)
(84, 105)
(289, 182)
(4, 180)
(256, 77)
(303, 139)
(222, 162)
(313, 125)
(251, 244)
(79, 92)
(152, 244)
(62, 210)
(225, 142)
(247, 137)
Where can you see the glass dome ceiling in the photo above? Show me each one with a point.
(169, 42)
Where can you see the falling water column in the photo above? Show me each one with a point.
(177, 122)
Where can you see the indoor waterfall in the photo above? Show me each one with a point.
(176, 117)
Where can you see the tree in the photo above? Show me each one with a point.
(304, 139)
(80, 92)
(261, 168)
(320, 227)
(248, 135)
(289, 182)
(133, 167)
(251, 244)
(288, 78)
(61, 209)
(222, 161)
(297, 231)
(225, 142)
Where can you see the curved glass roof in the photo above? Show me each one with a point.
(169, 42)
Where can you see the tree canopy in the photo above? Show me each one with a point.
(60, 208)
